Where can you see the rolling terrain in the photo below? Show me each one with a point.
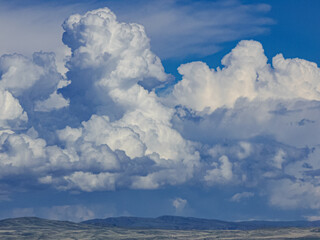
(190, 223)
(35, 228)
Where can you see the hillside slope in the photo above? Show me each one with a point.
(190, 223)
(36, 228)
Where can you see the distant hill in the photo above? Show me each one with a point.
(163, 222)
(165, 227)
(38, 222)
(190, 223)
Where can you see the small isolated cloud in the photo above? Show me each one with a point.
(179, 204)
(240, 196)
(313, 218)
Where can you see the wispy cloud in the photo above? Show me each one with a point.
(240, 196)
(177, 28)
(182, 28)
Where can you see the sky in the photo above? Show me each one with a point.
(207, 109)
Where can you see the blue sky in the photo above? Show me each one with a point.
(194, 122)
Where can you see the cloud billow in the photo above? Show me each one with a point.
(249, 124)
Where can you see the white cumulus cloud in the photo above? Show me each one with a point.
(246, 75)
(102, 126)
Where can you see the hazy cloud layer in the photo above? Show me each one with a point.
(76, 213)
(203, 25)
(102, 127)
